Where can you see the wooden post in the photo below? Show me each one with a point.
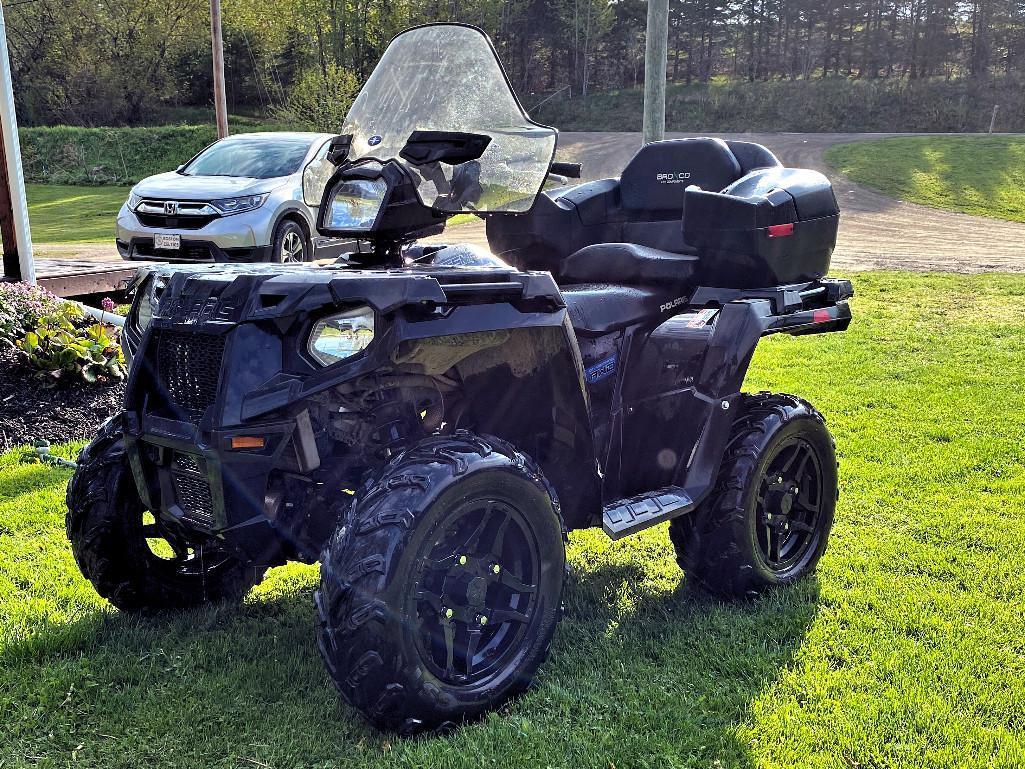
(220, 105)
(655, 51)
(14, 225)
(993, 118)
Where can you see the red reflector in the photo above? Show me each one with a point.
(821, 316)
(781, 230)
(247, 442)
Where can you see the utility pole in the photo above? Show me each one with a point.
(220, 105)
(14, 226)
(655, 50)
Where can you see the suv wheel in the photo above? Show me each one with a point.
(290, 243)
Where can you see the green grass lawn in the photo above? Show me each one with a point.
(982, 175)
(63, 214)
(906, 650)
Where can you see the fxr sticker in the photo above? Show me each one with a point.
(701, 318)
(603, 369)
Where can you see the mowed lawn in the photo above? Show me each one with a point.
(65, 214)
(982, 175)
(906, 650)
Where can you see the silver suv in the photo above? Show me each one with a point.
(250, 197)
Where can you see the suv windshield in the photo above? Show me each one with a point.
(447, 77)
(256, 157)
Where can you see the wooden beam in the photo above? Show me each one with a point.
(655, 50)
(220, 103)
(14, 224)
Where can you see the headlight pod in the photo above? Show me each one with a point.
(341, 336)
(229, 206)
(355, 204)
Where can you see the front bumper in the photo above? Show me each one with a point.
(199, 251)
(240, 237)
(196, 480)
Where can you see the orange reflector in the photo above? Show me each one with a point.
(247, 442)
(781, 230)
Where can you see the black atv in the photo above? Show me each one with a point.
(430, 421)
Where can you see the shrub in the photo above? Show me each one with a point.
(63, 349)
(22, 306)
(320, 100)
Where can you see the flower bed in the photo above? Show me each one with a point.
(61, 372)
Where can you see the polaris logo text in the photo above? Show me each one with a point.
(675, 303)
(673, 178)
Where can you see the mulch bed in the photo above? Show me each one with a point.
(30, 410)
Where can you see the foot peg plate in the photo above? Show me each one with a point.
(628, 516)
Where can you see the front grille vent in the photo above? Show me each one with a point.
(189, 367)
(191, 490)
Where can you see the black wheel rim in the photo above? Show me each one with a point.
(789, 510)
(475, 591)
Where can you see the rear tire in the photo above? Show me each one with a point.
(290, 244)
(441, 590)
(767, 521)
(113, 546)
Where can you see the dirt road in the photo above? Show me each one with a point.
(876, 232)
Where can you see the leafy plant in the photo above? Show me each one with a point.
(22, 306)
(63, 350)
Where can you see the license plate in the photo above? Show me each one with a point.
(170, 242)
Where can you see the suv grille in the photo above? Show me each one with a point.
(192, 490)
(189, 367)
(175, 222)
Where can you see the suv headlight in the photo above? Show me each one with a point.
(228, 206)
(341, 336)
(133, 200)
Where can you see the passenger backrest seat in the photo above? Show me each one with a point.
(644, 206)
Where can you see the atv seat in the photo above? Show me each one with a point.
(609, 286)
(627, 263)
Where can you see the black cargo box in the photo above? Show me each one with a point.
(773, 226)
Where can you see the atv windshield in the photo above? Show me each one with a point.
(446, 77)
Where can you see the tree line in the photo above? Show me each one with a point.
(82, 62)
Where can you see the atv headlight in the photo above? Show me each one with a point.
(228, 206)
(355, 203)
(341, 336)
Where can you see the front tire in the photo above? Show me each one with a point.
(290, 244)
(140, 566)
(768, 519)
(441, 590)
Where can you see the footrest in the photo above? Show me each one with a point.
(628, 516)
